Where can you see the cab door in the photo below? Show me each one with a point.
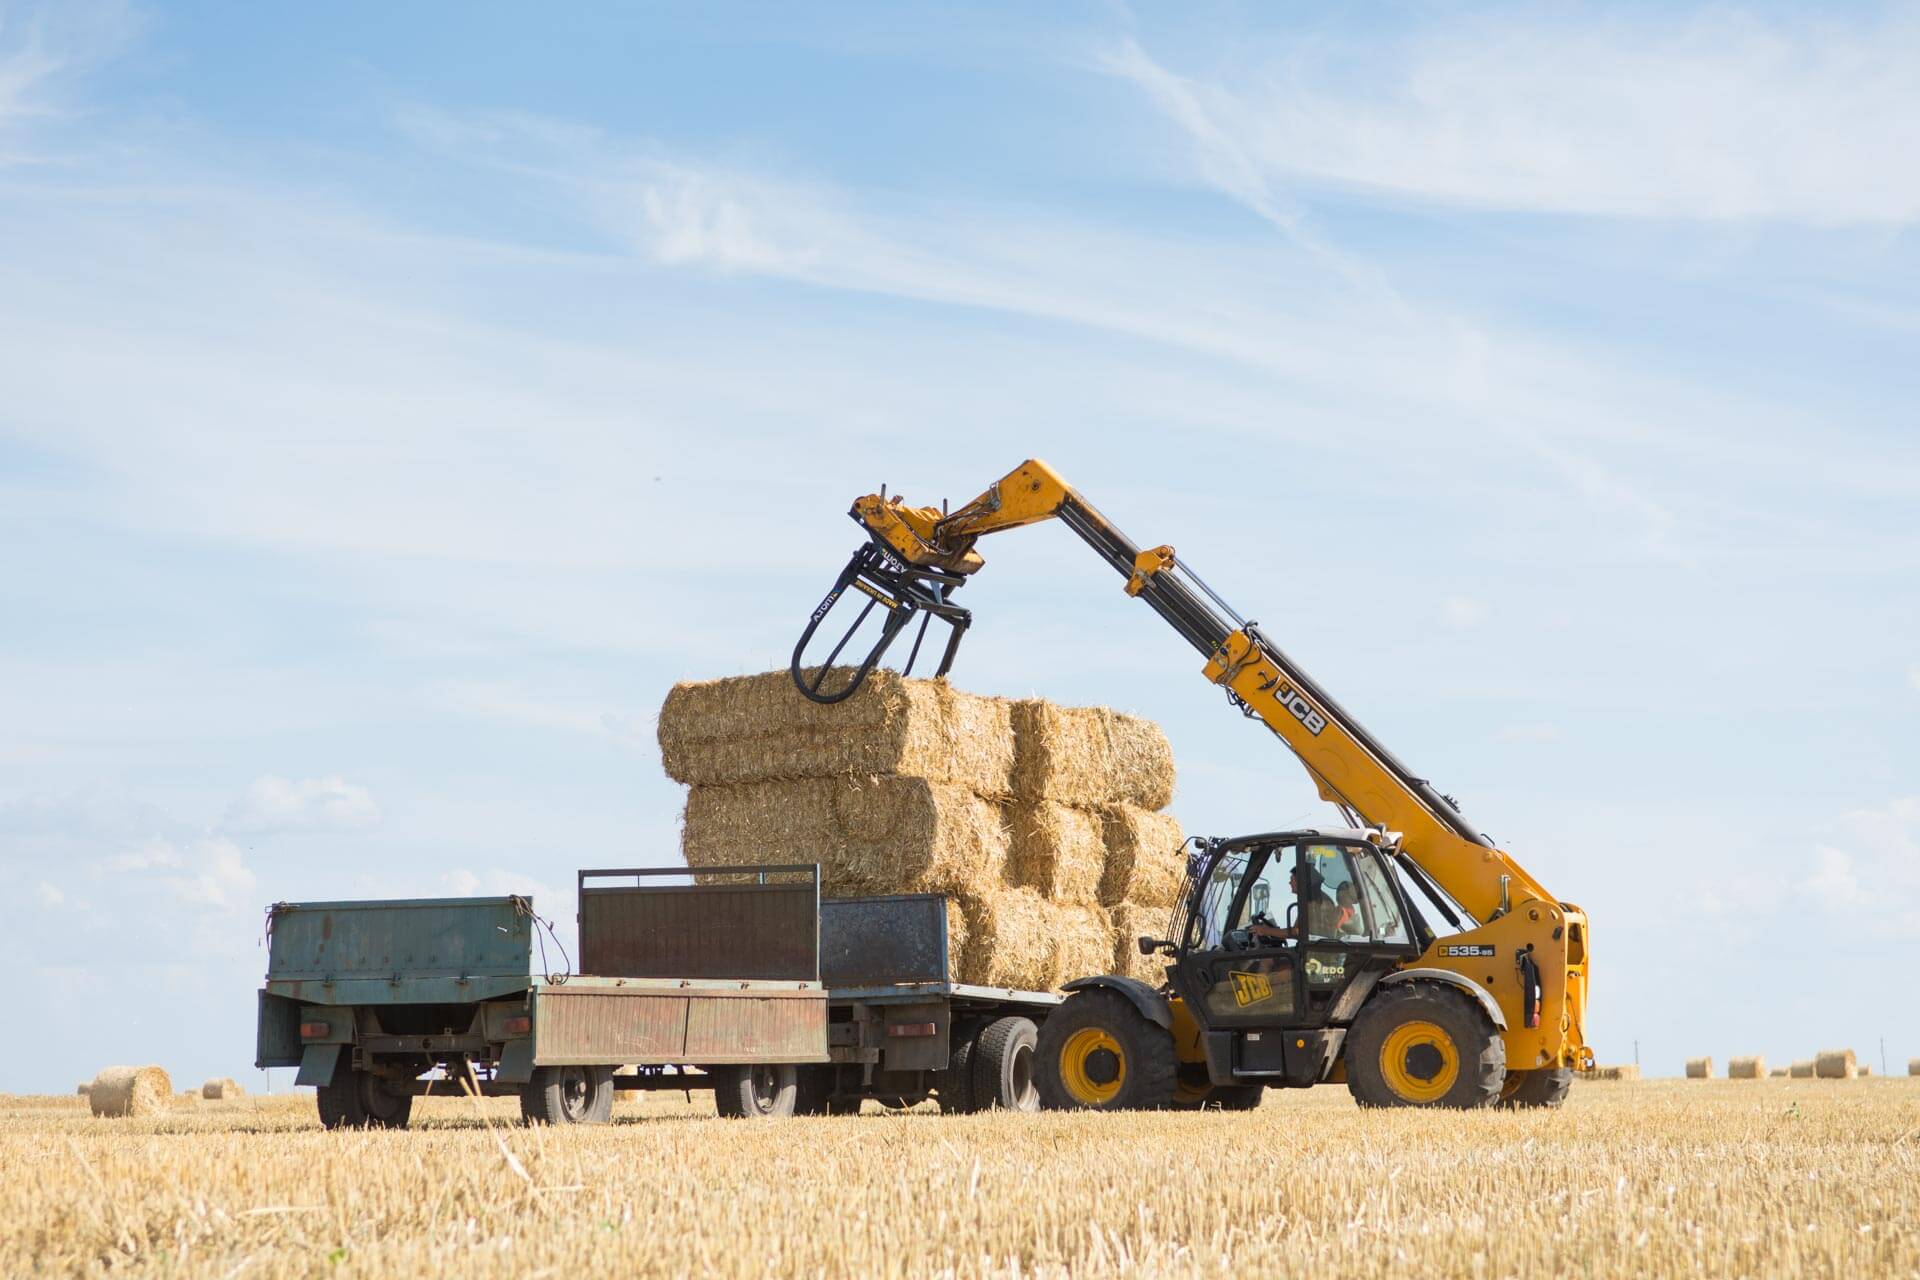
(1227, 977)
(1354, 934)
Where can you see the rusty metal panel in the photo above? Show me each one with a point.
(882, 941)
(915, 1051)
(750, 1028)
(399, 951)
(715, 930)
(586, 1026)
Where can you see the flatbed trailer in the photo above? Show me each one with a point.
(742, 981)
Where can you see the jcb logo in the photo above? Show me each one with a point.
(1251, 988)
(1302, 709)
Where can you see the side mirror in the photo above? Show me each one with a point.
(1150, 945)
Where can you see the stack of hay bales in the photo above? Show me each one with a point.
(1041, 823)
(1699, 1068)
(1753, 1068)
(130, 1091)
(1835, 1064)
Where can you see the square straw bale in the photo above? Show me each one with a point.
(1083, 938)
(1132, 921)
(869, 835)
(1145, 860)
(760, 729)
(1016, 938)
(1057, 850)
(1142, 758)
(1088, 756)
(1009, 940)
(957, 931)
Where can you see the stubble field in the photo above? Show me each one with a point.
(1664, 1178)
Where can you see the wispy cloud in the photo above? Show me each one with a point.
(42, 45)
(273, 804)
(1803, 114)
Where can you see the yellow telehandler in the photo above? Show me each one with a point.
(1296, 957)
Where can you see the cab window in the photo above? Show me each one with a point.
(1329, 894)
(1377, 891)
(1223, 908)
(1210, 922)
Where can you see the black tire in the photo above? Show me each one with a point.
(762, 1091)
(1002, 1065)
(357, 1099)
(1136, 1073)
(568, 1095)
(954, 1086)
(1543, 1088)
(1420, 1044)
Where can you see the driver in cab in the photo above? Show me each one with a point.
(1323, 915)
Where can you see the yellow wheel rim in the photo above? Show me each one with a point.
(1419, 1061)
(1092, 1066)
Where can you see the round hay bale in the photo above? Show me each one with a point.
(1801, 1070)
(1864, 1070)
(86, 1086)
(1913, 1066)
(1746, 1068)
(1835, 1064)
(1699, 1068)
(1146, 863)
(130, 1091)
(222, 1089)
(1778, 1073)
(1630, 1071)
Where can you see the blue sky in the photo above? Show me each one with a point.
(397, 402)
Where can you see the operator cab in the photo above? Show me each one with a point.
(1290, 931)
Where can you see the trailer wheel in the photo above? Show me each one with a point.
(755, 1091)
(1002, 1063)
(356, 1099)
(1424, 1045)
(955, 1084)
(568, 1095)
(1543, 1088)
(1097, 1051)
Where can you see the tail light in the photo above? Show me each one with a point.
(314, 1030)
(519, 1025)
